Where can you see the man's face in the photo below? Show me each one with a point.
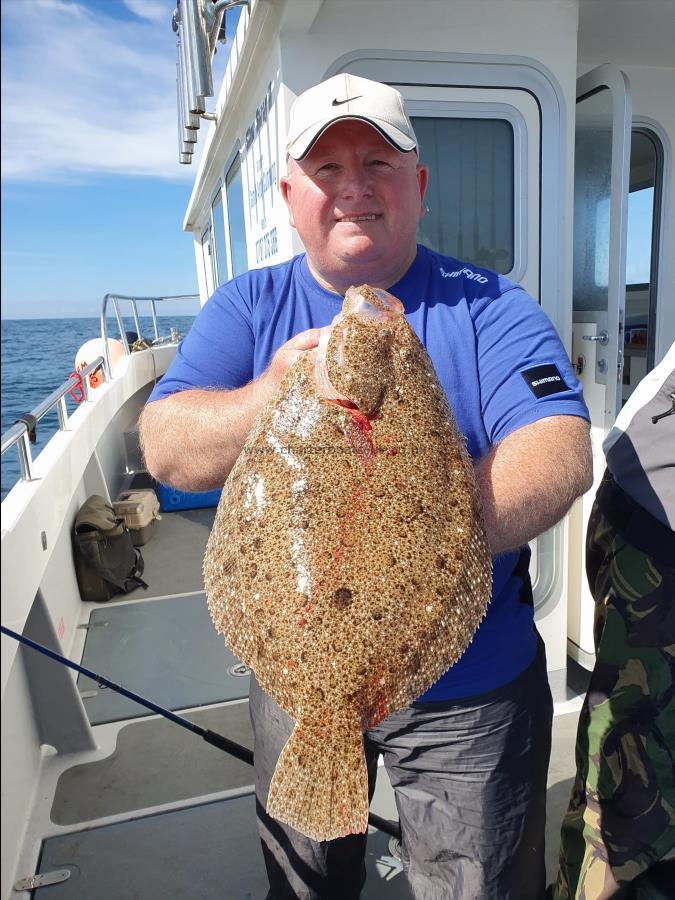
(356, 201)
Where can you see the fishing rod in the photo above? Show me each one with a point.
(211, 737)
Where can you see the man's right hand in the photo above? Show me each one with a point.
(286, 355)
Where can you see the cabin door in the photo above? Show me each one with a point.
(601, 183)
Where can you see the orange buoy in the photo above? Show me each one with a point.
(90, 350)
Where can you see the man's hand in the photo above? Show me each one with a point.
(284, 358)
(192, 439)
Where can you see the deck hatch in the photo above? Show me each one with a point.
(166, 650)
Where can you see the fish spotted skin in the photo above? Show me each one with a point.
(348, 564)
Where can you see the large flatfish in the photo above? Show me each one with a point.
(348, 564)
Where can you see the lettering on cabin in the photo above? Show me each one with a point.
(265, 179)
(261, 114)
(266, 246)
(260, 167)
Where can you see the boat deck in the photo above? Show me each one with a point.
(156, 812)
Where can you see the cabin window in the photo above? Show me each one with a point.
(218, 224)
(592, 193)
(641, 257)
(470, 197)
(235, 213)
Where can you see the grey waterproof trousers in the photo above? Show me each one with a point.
(470, 784)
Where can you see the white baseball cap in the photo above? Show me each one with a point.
(348, 97)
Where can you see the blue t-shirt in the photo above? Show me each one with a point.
(495, 351)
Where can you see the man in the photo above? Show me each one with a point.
(469, 760)
(618, 835)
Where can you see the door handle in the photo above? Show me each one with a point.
(602, 337)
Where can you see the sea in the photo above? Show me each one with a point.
(38, 355)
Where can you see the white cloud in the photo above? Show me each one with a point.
(154, 10)
(88, 94)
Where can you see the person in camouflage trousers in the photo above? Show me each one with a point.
(618, 834)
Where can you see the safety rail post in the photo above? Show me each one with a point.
(86, 387)
(120, 325)
(25, 457)
(136, 319)
(62, 411)
(154, 319)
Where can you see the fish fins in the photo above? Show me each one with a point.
(320, 784)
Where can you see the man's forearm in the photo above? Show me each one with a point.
(529, 480)
(192, 439)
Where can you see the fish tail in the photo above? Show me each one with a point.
(320, 784)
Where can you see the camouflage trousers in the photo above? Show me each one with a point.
(618, 835)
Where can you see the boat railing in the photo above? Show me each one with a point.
(114, 299)
(22, 432)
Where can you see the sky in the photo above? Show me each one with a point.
(93, 195)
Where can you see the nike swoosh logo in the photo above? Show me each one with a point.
(337, 102)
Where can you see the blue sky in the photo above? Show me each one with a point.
(93, 195)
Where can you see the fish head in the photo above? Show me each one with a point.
(354, 359)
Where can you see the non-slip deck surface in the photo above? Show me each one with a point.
(202, 852)
(165, 650)
(156, 762)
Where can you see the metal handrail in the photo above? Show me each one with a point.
(114, 299)
(19, 433)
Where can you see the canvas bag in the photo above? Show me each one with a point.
(106, 561)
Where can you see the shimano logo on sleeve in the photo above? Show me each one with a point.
(544, 380)
(471, 275)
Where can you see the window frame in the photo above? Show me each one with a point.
(218, 197)
(208, 257)
(490, 110)
(652, 131)
(234, 159)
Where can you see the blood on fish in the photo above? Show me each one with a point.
(365, 426)
(355, 505)
(362, 421)
(381, 707)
